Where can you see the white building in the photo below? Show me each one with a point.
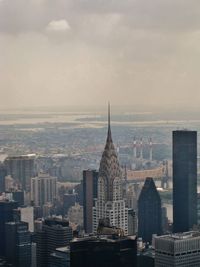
(110, 203)
(178, 250)
(28, 216)
(43, 189)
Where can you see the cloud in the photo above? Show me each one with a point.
(125, 50)
(58, 26)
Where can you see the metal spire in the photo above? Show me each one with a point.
(109, 135)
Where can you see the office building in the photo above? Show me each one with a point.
(43, 189)
(53, 233)
(131, 197)
(149, 211)
(146, 258)
(184, 180)
(18, 244)
(3, 173)
(47, 210)
(6, 215)
(165, 221)
(60, 258)
(131, 222)
(198, 208)
(21, 168)
(104, 251)
(18, 196)
(180, 249)
(25, 214)
(90, 180)
(69, 200)
(79, 190)
(110, 202)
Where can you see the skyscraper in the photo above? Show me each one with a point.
(90, 179)
(180, 249)
(184, 180)
(6, 215)
(149, 211)
(131, 222)
(110, 203)
(60, 257)
(43, 189)
(21, 168)
(55, 233)
(18, 244)
(105, 251)
(3, 173)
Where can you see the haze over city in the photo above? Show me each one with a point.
(99, 129)
(84, 52)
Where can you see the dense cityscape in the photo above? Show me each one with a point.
(99, 133)
(70, 199)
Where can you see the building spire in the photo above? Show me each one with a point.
(109, 135)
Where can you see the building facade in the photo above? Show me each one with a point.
(21, 168)
(90, 181)
(3, 173)
(110, 202)
(60, 257)
(105, 251)
(43, 189)
(131, 222)
(184, 180)
(54, 233)
(6, 215)
(18, 244)
(178, 250)
(149, 211)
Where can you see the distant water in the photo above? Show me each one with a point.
(92, 117)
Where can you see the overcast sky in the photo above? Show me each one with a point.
(72, 52)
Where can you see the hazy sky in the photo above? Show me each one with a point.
(66, 52)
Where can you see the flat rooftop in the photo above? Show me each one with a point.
(180, 236)
(63, 249)
(104, 238)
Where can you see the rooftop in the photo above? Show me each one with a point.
(104, 238)
(63, 249)
(180, 236)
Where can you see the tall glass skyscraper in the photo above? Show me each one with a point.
(184, 180)
(90, 180)
(18, 244)
(6, 215)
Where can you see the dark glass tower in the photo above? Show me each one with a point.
(6, 215)
(3, 173)
(18, 244)
(55, 233)
(90, 180)
(105, 251)
(149, 211)
(184, 180)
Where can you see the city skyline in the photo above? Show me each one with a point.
(74, 191)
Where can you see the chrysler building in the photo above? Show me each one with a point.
(110, 203)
